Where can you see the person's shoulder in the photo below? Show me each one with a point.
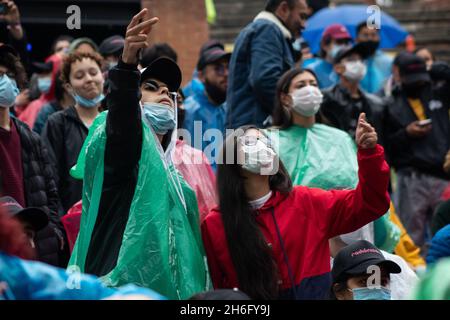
(213, 219)
(192, 103)
(332, 131)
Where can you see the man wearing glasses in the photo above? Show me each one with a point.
(207, 109)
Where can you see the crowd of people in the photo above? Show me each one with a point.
(270, 175)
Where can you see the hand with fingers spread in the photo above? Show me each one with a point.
(366, 137)
(137, 36)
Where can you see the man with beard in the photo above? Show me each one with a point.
(378, 63)
(206, 110)
(417, 141)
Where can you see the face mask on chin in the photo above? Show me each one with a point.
(215, 93)
(159, 116)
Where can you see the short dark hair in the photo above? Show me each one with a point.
(63, 37)
(360, 26)
(156, 51)
(14, 65)
(272, 5)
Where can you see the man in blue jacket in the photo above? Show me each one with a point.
(262, 53)
(206, 110)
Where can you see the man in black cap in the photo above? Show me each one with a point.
(343, 103)
(206, 109)
(417, 141)
(33, 219)
(360, 272)
(111, 49)
(139, 223)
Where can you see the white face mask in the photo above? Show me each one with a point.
(258, 157)
(307, 101)
(355, 70)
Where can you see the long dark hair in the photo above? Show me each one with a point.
(252, 259)
(281, 116)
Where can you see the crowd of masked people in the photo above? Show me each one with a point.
(118, 183)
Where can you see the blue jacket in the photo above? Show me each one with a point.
(199, 108)
(324, 72)
(379, 68)
(440, 245)
(30, 280)
(262, 53)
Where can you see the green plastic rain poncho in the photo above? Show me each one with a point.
(435, 284)
(161, 247)
(325, 157)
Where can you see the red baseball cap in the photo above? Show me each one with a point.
(336, 31)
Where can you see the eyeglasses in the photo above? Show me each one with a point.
(220, 69)
(250, 141)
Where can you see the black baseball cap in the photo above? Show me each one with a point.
(212, 55)
(165, 70)
(347, 51)
(35, 217)
(112, 46)
(354, 259)
(412, 68)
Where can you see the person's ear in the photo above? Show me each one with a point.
(201, 75)
(68, 87)
(286, 100)
(283, 10)
(340, 294)
(339, 68)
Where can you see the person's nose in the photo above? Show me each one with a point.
(164, 90)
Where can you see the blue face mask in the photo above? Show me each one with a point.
(8, 92)
(44, 84)
(371, 294)
(88, 103)
(159, 116)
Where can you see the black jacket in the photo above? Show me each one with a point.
(426, 154)
(121, 168)
(64, 135)
(40, 191)
(338, 110)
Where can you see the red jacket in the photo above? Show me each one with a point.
(306, 218)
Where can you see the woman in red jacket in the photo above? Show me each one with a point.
(271, 239)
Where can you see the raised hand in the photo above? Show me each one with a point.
(12, 14)
(137, 36)
(366, 137)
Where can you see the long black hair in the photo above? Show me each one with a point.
(281, 117)
(252, 259)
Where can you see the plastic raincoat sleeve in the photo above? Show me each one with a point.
(29, 280)
(161, 247)
(435, 285)
(325, 157)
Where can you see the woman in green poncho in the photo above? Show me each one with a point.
(317, 155)
(140, 219)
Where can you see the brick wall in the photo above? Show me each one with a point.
(183, 25)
